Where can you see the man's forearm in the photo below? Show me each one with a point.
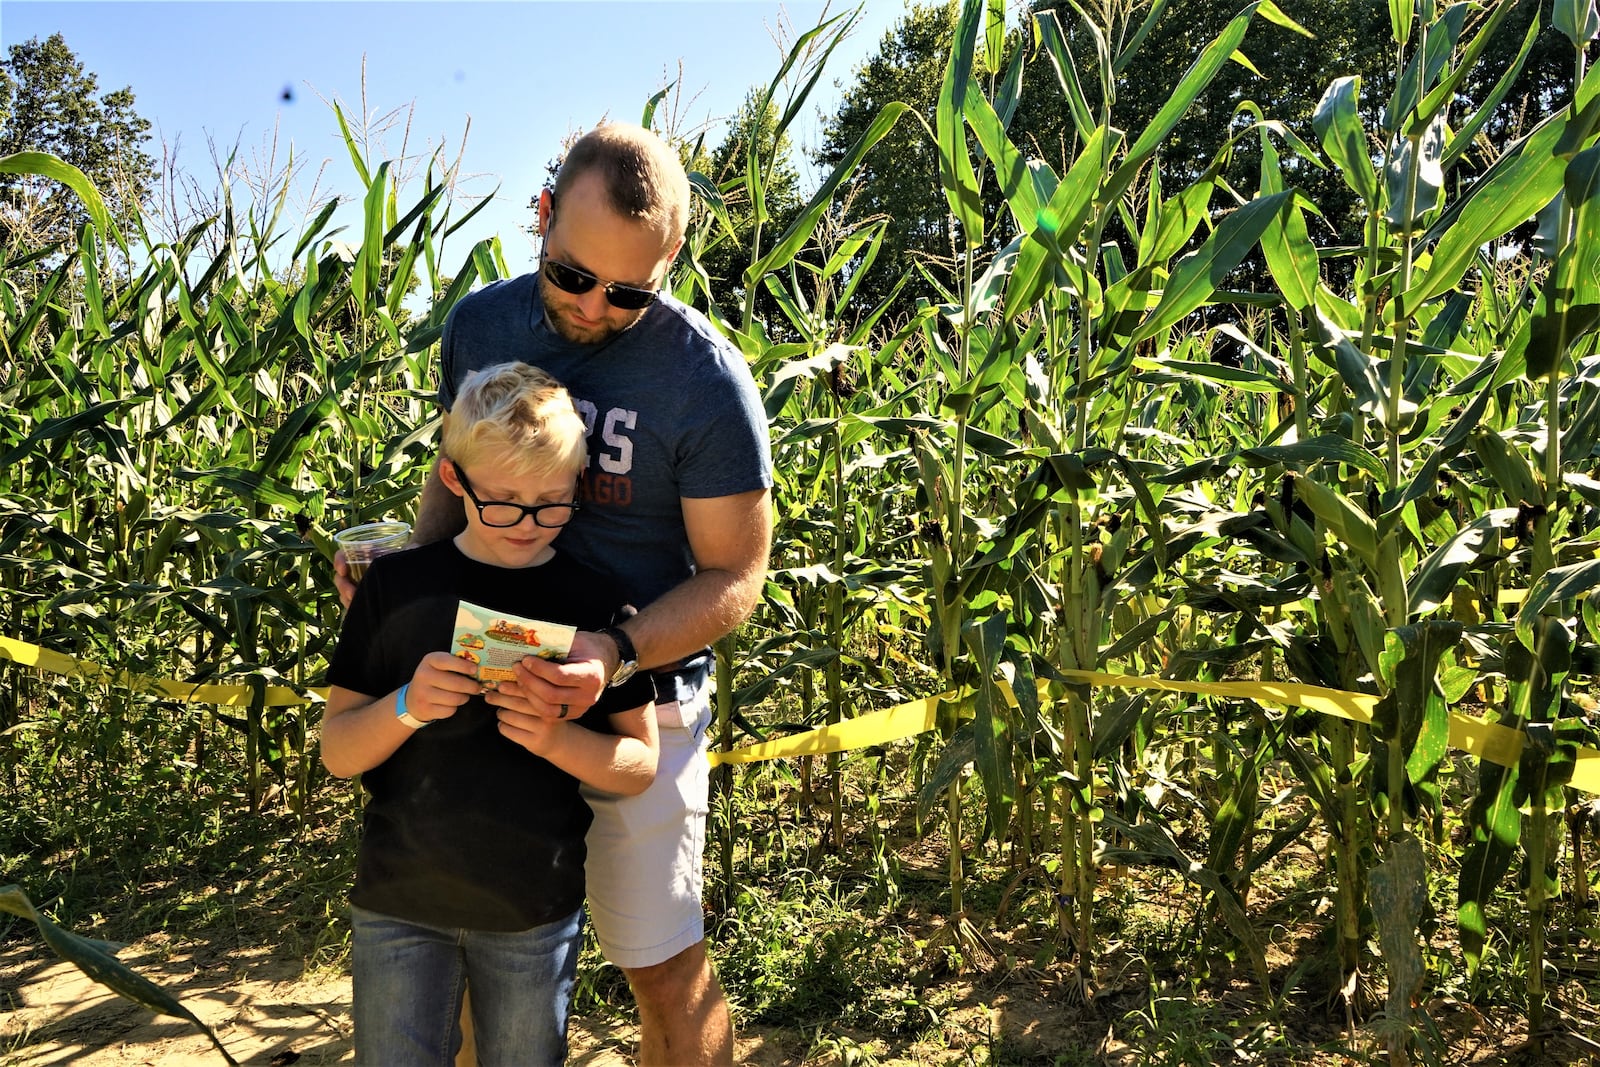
(439, 513)
(691, 616)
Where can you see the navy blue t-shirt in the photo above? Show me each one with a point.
(671, 408)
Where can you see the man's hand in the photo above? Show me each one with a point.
(441, 683)
(342, 580)
(566, 690)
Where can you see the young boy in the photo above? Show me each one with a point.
(471, 861)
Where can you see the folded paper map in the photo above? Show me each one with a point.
(494, 641)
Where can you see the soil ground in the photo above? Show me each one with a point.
(268, 1011)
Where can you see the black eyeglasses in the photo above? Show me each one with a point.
(502, 513)
(571, 279)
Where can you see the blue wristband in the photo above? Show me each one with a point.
(402, 714)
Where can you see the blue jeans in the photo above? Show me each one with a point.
(408, 979)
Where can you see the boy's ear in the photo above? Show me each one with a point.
(447, 475)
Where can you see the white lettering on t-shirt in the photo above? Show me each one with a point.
(588, 411)
(621, 460)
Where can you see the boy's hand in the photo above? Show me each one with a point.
(520, 721)
(341, 579)
(441, 683)
(568, 689)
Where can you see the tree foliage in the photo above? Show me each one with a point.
(49, 103)
(1285, 77)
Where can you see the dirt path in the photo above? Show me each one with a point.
(265, 1010)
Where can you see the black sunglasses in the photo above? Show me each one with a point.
(502, 514)
(573, 280)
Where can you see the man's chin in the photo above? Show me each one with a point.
(580, 334)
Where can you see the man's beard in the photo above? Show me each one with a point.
(564, 327)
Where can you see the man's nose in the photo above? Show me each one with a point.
(593, 304)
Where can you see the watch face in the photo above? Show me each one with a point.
(625, 670)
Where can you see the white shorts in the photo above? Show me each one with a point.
(644, 869)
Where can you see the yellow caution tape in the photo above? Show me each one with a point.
(1486, 740)
(863, 731)
(277, 696)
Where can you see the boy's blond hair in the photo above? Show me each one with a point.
(516, 415)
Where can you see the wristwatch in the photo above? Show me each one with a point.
(628, 658)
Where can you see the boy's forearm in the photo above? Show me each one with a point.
(358, 733)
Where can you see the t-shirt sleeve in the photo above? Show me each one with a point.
(725, 448)
(355, 665)
(447, 361)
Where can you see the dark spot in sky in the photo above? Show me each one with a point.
(287, 96)
(461, 76)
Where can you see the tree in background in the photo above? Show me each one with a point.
(48, 103)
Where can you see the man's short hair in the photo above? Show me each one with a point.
(643, 177)
(517, 415)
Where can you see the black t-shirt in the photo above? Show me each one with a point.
(464, 827)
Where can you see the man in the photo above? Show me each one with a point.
(675, 506)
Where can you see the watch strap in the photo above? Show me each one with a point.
(628, 656)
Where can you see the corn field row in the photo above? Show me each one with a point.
(1085, 451)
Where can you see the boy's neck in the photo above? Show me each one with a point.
(460, 539)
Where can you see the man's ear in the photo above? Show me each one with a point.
(546, 206)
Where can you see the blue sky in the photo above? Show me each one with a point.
(525, 74)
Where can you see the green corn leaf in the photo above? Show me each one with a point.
(45, 165)
(1055, 43)
(991, 732)
(956, 176)
(994, 33)
(1337, 123)
(95, 959)
(1197, 277)
(1525, 178)
(1414, 177)
(1157, 8)
(1059, 224)
(1553, 586)
(1496, 825)
(805, 224)
(1352, 526)
(1436, 576)
(1194, 82)
(1287, 246)
(1016, 180)
(1577, 19)
(1401, 15)
(648, 118)
(1175, 221)
(366, 276)
(1507, 466)
(1423, 70)
(1466, 136)
(351, 147)
(959, 752)
(1447, 90)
